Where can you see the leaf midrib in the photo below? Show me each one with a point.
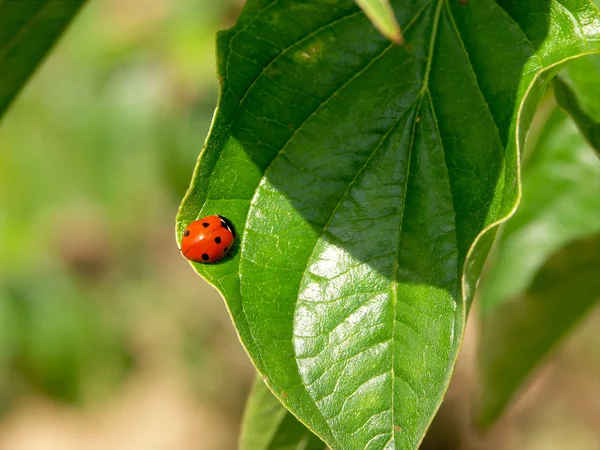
(424, 88)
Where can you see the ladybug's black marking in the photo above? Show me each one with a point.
(205, 256)
(218, 239)
(205, 224)
(225, 249)
(186, 233)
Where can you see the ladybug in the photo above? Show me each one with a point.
(207, 240)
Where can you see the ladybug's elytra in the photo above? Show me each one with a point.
(207, 240)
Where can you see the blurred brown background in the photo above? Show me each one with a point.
(108, 339)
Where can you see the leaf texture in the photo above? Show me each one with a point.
(366, 181)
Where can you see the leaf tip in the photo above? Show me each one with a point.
(381, 15)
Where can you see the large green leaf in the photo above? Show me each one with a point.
(545, 275)
(268, 425)
(28, 29)
(366, 181)
(577, 90)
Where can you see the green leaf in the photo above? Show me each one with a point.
(577, 91)
(545, 275)
(268, 425)
(366, 181)
(28, 29)
(380, 12)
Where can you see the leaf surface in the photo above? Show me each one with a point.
(268, 425)
(359, 175)
(545, 275)
(28, 29)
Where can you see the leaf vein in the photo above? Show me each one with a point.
(276, 57)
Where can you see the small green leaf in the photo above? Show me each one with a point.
(28, 29)
(545, 276)
(366, 181)
(380, 12)
(577, 91)
(268, 425)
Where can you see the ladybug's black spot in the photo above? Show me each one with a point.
(186, 233)
(204, 256)
(218, 240)
(205, 224)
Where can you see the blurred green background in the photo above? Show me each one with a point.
(108, 338)
(97, 308)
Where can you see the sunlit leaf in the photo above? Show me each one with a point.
(545, 275)
(268, 425)
(28, 29)
(366, 180)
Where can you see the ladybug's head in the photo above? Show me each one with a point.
(226, 223)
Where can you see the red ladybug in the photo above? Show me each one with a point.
(207, 240)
